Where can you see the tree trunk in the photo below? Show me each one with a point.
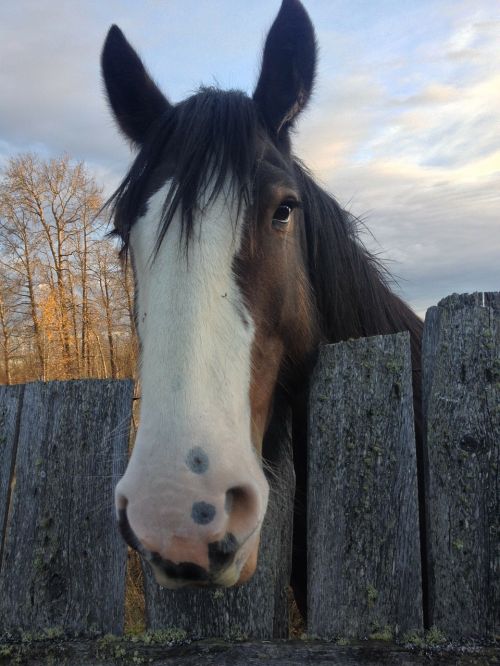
(6, 340)
(109, 327)
(33, 304)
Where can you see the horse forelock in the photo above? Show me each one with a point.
(208, 143)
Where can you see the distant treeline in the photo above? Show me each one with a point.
(66, 302)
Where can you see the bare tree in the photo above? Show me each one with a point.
(106, 279)
(5, 333)
(18, 242)
(60, 279)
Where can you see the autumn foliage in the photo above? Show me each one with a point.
(66, 301)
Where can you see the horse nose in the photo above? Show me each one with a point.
(204, 544)
(242, 507)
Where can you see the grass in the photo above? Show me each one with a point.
(135, 608)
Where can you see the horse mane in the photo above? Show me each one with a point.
(206, 145)
(351, 285)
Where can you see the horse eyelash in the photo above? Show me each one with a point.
(292, 203)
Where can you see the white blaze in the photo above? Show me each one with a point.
(195, 371)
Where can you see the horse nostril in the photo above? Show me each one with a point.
(238, 499)
(126, 531)
(242, 508)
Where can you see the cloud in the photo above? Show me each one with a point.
(52, 94)
(414, 149)
(403, 127)
(52, 99)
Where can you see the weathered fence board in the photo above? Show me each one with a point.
(10, 404)
(64, 562)
(259, 608)
(123, 652)
(63, 446)
(461, 401)
(364, 568)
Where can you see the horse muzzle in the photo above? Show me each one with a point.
(222, 563)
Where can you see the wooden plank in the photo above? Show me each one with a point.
(158, 651)
(461, 401)
(64, 561)
(363, 531)
(259, 608)
(10, 402)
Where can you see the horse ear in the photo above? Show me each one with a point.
(288, 67)
(135, 99)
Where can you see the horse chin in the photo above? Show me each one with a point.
(228, 578)
(234, 575)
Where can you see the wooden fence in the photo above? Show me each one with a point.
(63, 445)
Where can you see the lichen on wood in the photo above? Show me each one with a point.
(363, 530)
(461, 403)
(63, 560)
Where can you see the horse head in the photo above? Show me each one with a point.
(211, 214)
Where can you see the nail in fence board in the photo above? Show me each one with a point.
(64, 561)
(10, 402)
(258, 609)
(364, 569)
(461, 401)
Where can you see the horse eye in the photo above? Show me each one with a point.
(281, 216)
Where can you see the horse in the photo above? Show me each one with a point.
(243, 266)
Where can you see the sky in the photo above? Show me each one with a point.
(403, 127)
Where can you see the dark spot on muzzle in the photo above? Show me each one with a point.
(203, 513)
(187, 571)
(221, 553)
(184, 570)
(197, 460)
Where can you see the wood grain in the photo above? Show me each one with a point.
(10, 406)
(364, 571)
(107, 652)
(64, 562)
(461, 401)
